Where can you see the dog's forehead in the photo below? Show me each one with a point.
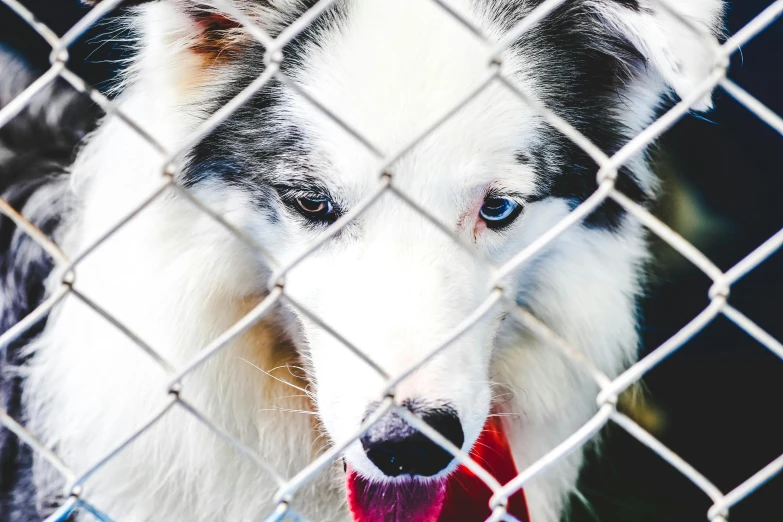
(394, 69)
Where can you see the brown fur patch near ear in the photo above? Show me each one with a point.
(218, 34)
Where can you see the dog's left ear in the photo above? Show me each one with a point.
(676, 54)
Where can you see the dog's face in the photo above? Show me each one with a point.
(391, 282)
(494, 173)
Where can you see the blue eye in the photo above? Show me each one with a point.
(499, 212)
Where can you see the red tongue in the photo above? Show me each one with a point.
(463, 496)
(411, 501)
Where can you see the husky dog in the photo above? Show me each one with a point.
(391, 283)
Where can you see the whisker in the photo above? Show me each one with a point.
(515, 415)
(289, 410)
(316, 440)
(503, 397)
(308, 395)
(288, 367)
(273, 377)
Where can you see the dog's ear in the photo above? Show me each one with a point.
(126, 3)
(211, 28)
(676, 52)
(203, 13)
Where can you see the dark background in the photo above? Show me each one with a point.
(717, 401)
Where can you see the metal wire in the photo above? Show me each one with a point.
(606, 175)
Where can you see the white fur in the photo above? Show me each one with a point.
(394, 289)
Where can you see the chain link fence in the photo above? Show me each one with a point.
(717, 301)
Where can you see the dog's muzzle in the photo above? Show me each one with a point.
(398, 450)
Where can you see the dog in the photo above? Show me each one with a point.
(280, 171)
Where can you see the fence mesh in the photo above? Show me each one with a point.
(717, 300)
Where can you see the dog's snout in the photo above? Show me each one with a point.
(396, 448)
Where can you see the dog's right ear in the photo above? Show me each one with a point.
(670, 37)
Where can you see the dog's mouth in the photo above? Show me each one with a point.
(411, 500)
(460, 496)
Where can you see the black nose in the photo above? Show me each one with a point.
(396, 448)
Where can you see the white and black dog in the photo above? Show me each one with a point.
(394, 285)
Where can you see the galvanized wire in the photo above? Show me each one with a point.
(606, 175)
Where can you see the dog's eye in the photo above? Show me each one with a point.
(499, 212)
(316, 208)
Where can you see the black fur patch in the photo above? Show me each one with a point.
(250, 145)
(629, 4)
(584, 66)
(35, 148)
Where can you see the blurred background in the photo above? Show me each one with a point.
(717, 401)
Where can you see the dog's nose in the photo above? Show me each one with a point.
(397, 448)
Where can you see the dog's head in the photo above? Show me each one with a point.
(392, 283)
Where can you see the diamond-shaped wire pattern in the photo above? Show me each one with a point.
(610, 389)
